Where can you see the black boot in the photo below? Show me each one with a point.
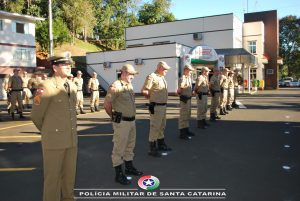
(216, 116)
(92, 109)
(21, 115)
(13, 116)
(153, 150)
(96, 109)
(212, 117)
(77, 113)
(222, 111)
(228, 107)
(131, 170)
(81, 111)
(120, 177)
(199, 124)
(225, 111)
(205, 123)
(183, 134)
(162, 145)
(189, 133)
(202, 124)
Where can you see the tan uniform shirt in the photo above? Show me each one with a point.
(201, 84)
(230, 82)
(121, 95)
(25, 82)
(93, 84)
(33, 83)
(215, 83)
(54, 114)
(157, 86)
(79, 83)
(224, 81)
(15, 82)
(185, 83)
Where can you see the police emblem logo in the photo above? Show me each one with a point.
(148, 182)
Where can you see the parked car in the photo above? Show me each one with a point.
(280, 83)
(294, 83)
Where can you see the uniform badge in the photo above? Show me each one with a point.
(37, 100)
(39, 91)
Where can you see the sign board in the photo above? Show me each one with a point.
(203, 55)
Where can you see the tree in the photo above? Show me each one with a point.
(289, 40)
(79, 16)
(60, 30)
(156, 12)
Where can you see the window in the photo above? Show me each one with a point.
(1, 25)
(252, 47)
(253, 74)
(19, 27)
(22, 55)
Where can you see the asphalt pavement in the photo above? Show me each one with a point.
(251, 154)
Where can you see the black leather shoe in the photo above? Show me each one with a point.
(162, 145)
(131, 170)
(120, 177)
(153, 150)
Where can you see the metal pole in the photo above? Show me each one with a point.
(50, 27)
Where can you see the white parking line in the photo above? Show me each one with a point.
(241, 106)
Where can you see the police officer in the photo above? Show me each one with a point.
(15, 85)
(33, 83)
(230, 96)
(54, 114)
(119, 104)
(79, 83)
(215, 90)
(201, 89)
(26, 92)
(5, 87)
(224, 91)
(237, 80)
(185, 92)
(155, 89)
(93, 86)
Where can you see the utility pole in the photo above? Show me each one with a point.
(50, 27)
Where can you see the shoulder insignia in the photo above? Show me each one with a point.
(37, 100)
(39, 91)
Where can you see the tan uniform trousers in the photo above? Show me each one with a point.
(215, 102)
(184, 115)
(95, 98)
(201, 107)
(59, 174)
(16, 96)
(223, 99)
(157, 123)
(79, 102)
(124, 142)
(27, 95)
(230, 97)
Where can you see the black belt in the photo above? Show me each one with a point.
(95, 90)
(216, 91)
(158, 103)
(203, 93)
(128, 118)
(17, 90)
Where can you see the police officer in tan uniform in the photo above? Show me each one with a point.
(26, 92)
(201, 89)
(79, 83)
(15, 85)
(119, 104)
(155, 89)
(93, 86)
(224, 91)
(54, 114)
(230, 96)
(237, 80)
(215, 90)
(5, 87)
(33, 83)
(185, 93)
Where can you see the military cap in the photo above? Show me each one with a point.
(129, 69)
(164, 65)
(204, 68)
(79, 72)
(188, 66)
(61, 58)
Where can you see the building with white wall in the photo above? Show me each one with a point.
(17, 43)
(147, 45)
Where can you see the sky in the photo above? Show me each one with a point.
(183, 9)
